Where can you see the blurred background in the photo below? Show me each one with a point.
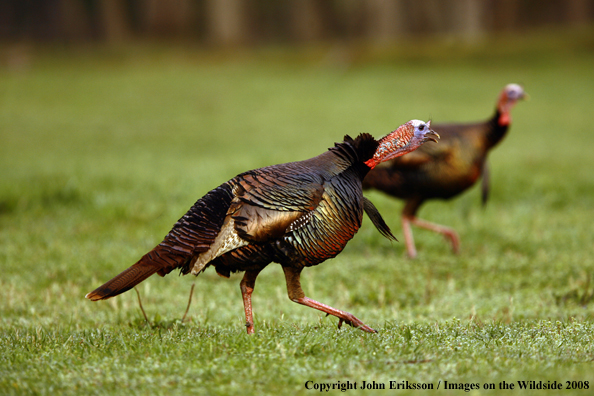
(249, 22)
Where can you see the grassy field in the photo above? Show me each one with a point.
(102, 150)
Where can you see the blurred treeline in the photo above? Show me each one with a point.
(245, 22)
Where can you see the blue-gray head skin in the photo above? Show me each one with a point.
(507, 100)
(408, 137)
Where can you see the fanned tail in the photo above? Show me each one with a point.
(157, 260)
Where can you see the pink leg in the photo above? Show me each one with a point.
(296, 294)
(408, 237)
(443, 230)
(247, 287)
(409, 216)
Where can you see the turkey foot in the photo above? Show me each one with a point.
(343, 316)
(292, 276)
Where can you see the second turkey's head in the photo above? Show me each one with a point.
(408, 137)
(507, 100)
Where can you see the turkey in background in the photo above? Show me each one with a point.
(446, 169)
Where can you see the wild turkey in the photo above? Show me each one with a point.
(446, 169)
(297, 214)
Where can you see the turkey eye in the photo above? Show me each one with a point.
(422, 127)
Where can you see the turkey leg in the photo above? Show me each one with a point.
(296, 294)
(409, 217)
(247, 287)
(409, 240)
(447, 232)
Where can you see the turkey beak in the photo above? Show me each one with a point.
(431, 135)
(525, 96)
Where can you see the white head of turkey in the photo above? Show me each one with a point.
(507, 100)
(297, 214)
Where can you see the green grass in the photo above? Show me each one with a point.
(102, 150)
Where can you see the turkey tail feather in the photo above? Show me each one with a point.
(157, 260)
(191, 235)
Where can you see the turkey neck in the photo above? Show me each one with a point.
(497, 128)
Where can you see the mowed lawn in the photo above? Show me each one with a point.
(102, 150)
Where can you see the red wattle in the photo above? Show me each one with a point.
(504, 119)
(371, 163)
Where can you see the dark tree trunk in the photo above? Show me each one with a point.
(114, 21)
(506, 14)
(168, 17)
(307, 23)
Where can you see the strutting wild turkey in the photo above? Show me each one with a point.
(446, 169)
(297, 214)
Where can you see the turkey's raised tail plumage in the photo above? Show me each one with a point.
(150, 263)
